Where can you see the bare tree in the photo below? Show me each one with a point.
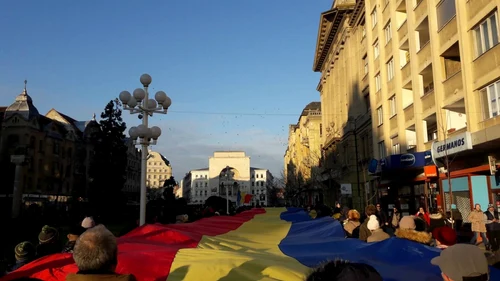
(447, 161)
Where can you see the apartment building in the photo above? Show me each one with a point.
(158, 170)
(341, 58)
(434, 79)
(303, 154)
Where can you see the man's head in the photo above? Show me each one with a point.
(96, 250)
(491, 208)
(344, 271)
(370, 210)
(462, 262)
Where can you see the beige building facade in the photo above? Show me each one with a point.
(341, 58)
(158, 170)
(435, 72)
(427, 72)
(302, 159)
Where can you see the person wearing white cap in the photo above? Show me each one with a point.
(462, 262)
(88, 222)
(378, 233)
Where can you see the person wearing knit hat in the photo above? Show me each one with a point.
(407, 231)
(444, 236)
(88, 222)
(48, 242)
(378, 233)
(24, 253)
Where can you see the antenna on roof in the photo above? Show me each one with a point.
(93, 117)
(25, 82)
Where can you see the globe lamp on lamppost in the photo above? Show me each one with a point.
(139, 103)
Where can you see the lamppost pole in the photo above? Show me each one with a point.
(227, 190)
(140, 103)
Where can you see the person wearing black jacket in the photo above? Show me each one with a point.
(382, 217)
(493, 227)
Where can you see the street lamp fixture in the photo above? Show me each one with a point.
(140, 103)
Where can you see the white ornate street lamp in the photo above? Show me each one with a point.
(140, 103)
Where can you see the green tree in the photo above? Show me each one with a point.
(109, 160)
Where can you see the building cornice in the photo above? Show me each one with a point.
(330, 22)
(357, 13)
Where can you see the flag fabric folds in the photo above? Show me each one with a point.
(260, 244)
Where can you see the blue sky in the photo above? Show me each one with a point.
(238, 72)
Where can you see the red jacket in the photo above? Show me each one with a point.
(427, 217)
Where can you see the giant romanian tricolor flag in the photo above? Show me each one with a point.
(261, 244)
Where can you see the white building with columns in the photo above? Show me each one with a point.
(228, 171)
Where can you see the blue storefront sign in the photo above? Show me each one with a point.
(413, 160)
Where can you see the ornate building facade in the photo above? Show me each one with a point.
(56, 149)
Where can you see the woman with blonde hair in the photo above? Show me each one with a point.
(478, 225)
(351, 224)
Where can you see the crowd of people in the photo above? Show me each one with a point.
(94, 247)
(435, 230)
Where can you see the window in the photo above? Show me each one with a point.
(395, 147)
(374, 18)
(367, 102)
(363, 34)
(388, 32)
(378, 82)
(392, 106)
(376, 51)
(446, 10)
(486, 34)
(489, 100)
(365, 64)
(380, 116)
(390, 70)
(381, 149)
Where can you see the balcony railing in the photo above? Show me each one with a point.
(424, 56)
(409, 114)
(428, 101)
(403, 31)
(453, 85)
(420, 10)
(406, 73)
(449, 33)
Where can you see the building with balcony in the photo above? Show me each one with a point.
(302, 171)
(434, 71)
(56, 148)
(158, 170)
(342, 58)
(229, 171)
